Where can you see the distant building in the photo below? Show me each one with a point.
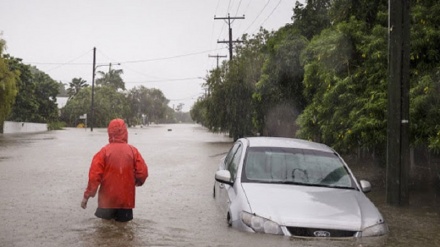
(62, 101)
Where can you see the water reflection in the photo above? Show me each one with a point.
(415, 225)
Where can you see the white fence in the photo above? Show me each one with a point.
(23, 127)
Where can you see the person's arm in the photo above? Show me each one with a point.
(140, 168)
(95, 177)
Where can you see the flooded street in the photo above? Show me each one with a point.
(43, 177)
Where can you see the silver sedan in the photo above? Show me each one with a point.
(295, 188)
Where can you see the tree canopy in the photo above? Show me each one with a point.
(139, 105)
(36, 95)
(8, 86)
(324, 78)
(29, 95)
(111, 78)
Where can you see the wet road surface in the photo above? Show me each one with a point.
(43, 177)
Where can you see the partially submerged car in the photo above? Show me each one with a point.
(296, 188)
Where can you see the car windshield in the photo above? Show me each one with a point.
(295, 166)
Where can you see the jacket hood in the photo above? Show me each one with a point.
(117, 131)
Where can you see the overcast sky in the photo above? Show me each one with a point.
(160, 44)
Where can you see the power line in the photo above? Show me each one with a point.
(70, 62)
(130, 61)
(229, 5)
(267, 3)
(278, 4)
(236, 13)
(171, 57)
(191, 97)
(166, 80)
(239, 4)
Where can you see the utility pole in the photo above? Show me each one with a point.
(398, 158)
(216, 56)
(230, 41)
(92, 107)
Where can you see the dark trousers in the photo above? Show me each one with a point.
(117, 214)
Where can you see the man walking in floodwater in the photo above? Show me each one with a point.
(116, 169)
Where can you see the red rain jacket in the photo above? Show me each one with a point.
(116, 169)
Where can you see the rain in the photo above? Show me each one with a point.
(43, 177)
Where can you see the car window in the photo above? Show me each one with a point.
(233, 166)
(288, 165)
(230, 155)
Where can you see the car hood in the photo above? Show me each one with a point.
(312, 207)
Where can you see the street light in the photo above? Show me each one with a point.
(92, 107)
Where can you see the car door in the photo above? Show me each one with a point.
(226, 193)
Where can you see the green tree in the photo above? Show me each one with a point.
(345, 76)
(46, 92)
(330, 65)
(8, 89)
(156, 111)
(229, 104)
(363, 10)
(62, 92)
(215, 102)
(36, 98)
(179, 107)
(76, 107)
(25, 108)
(112, 78)
(150, 103)
(279, 93)
(425, 74)
(75, 86)
(198, 111)
(108, 104)
(349, 97)
(310, 19)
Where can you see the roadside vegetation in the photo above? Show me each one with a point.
(324, 78)
(30, 95)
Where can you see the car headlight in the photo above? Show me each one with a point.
(375, 230)
(260, 224)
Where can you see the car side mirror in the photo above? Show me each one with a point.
(223, 176)
(365, 186)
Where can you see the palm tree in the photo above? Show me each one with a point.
(75, 86)
(112, 79)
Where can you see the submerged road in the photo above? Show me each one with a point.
(43, 177)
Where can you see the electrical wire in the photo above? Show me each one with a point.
(238, 8)
(166, 80)
(236, 13)
(212, 34)
(130, 61)
(70, 62)
(278, 4)
(167, 58)
(267, 3)
(191, 97)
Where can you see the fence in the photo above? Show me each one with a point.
(23, 127)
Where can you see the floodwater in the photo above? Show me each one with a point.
(43, 176)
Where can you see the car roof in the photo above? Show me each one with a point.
(286, 143)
